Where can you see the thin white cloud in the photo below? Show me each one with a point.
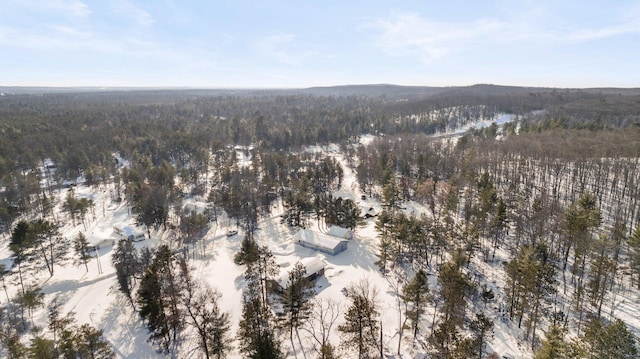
(138, 15)
(67, 7)
(410, 34)
(276, 47)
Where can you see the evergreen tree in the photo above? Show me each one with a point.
(454, 289)
(151, 205)
(634, 253)
(82, 249)
(159, 299)
(481, 329)
(255, 334)
(360, 330)
(41, 347)
(91, 344)
(613, 340)
(416, 294)
(553, 346)
(125, 261)
(248, 251)
(383, 226)
(15, 348)
(580, 219)
(530, 282)
(601, 274)
(38, 240)
(295, 299)
(32, 299)
(391, 196)
(201, 304)
(58, 325)
(259, 275)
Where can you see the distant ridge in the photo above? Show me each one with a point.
(390, 91)
(377, 90)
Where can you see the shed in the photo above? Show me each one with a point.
(340, 232)
(314, 267)
(99, 242)
(320, 241)
(368, 212)
(130, 233)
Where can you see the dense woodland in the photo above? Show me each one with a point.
(556, 191)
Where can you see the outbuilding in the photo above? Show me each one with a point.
(320, 241)
(368, 212)
(314, 267)
(130, 233)
(340, 232)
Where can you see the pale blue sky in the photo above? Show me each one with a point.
(270, 43)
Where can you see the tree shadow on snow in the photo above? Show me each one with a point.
(126, 331)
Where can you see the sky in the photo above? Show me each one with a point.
(304, 43)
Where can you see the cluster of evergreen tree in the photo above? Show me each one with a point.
(160, 287)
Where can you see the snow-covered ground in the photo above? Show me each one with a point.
(95, 299)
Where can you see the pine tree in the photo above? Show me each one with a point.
(602, 270)
(634, 253)
(91, 344)
(125, 261)
(416, 294)
(159, 299)
(613, 340)
(295, 299)
(360, 330)
(383, 226)
(82, 249)
(255, 334)
(41, 347)
(454, 288)
(553, 346)
(70, 341)
(248, 251)
(530, 282)
(481, 329)
(38, 240)
(205, 316)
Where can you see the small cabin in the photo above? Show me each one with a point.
(320, 242)
(340, 232)
(314, 267)
(97, 241)
(368, 212)
(130, 233)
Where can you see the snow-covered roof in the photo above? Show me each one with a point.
(318, 239)
(312, 265)
(368, 210)
(339, 232)
(94, 239)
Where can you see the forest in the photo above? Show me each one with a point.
(548, 200)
